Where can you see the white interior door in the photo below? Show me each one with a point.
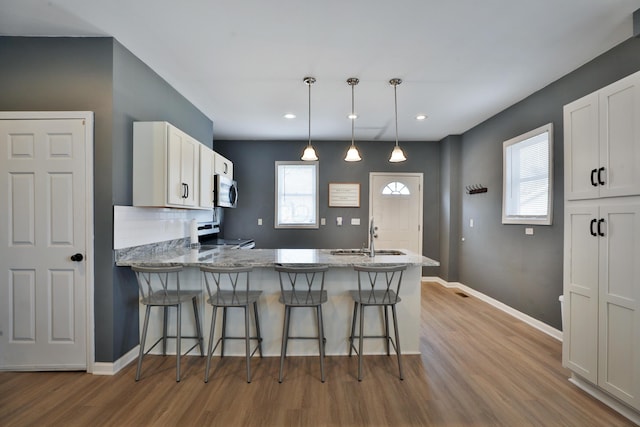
(395, 204)
(43, 291)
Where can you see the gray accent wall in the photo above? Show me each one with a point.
(525, 272)
(254, 169)
(99, 75)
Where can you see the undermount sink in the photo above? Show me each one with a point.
(366, 252)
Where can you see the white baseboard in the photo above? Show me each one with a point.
(106, 368)
(603, 397)
(541, 326)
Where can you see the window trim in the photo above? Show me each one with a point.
(521, 219)
(314, 225)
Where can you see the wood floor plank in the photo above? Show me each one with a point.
(478, 367)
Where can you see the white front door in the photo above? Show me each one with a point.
(43, 285)
(395, 204)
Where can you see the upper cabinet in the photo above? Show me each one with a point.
(223, 166)
(166, 166)
(207, 163)
(602, 142)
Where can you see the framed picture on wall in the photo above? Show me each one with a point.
(344, 195)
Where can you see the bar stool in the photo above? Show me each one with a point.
(228, 287)
(160, 287)
(377, 286)
(302, 286)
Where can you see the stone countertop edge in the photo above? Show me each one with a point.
(226, 257)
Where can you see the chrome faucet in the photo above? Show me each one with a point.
(372, 235)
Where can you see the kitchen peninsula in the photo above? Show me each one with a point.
(337, 311)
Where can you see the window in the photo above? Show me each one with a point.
(527, 177)
(396, 187)
(296, 195)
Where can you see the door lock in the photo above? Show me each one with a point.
(77, 257)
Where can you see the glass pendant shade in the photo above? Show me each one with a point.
(353, 155)
(397, 155)
(309, 154)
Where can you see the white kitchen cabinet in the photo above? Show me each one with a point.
(207, 164)
(165, 166)
(601, 339)
(602, 142)
(602, 296)
(223, 166)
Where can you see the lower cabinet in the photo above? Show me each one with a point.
(601, 340)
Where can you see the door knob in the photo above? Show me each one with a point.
(77, 257)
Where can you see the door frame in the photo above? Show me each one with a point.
(88, 209)
(419, 175)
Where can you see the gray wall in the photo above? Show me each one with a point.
(254, 169)
(99, 75)
(525, 272)
(450, 202)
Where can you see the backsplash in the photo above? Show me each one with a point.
(133, 226)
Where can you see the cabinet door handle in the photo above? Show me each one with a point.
(185, 190)
(593, 177)
(600, 180)
(600, 222)
(186, 196)
(593, 222)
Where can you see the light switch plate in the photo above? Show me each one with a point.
(323, 221)
(355, 221)
(339, 221)
(259, 221)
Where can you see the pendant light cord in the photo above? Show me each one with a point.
(395, 99)
(353, 119)
(309, 82)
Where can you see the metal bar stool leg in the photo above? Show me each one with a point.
(257, 321)
(285, 337)
(324, 339)
(144, 339)
(398, 352)
(360, 343)
(353, 327)
(165, 319)
(224, 330)
(247, 339)
(210, 349)
(178, 340)
(198, 326)
(320, 340)
(386, 328)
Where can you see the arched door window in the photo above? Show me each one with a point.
(396, 188)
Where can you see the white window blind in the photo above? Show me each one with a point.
(527, 171)
(296, 195)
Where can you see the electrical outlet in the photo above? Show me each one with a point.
(355, 221)
(471, 222)
(339, 221)
(528, 231)
(259, 221)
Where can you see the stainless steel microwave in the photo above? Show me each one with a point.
(226, 192)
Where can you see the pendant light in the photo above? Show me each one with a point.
(309, 154)
(397, 155)
(352, 154)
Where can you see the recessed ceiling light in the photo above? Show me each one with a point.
(421, 116)
(289, 116)
(352, 116)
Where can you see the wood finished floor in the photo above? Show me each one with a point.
(479, 367)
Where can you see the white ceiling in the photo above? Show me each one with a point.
(242, 62)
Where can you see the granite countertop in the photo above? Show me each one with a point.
(226, 256)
